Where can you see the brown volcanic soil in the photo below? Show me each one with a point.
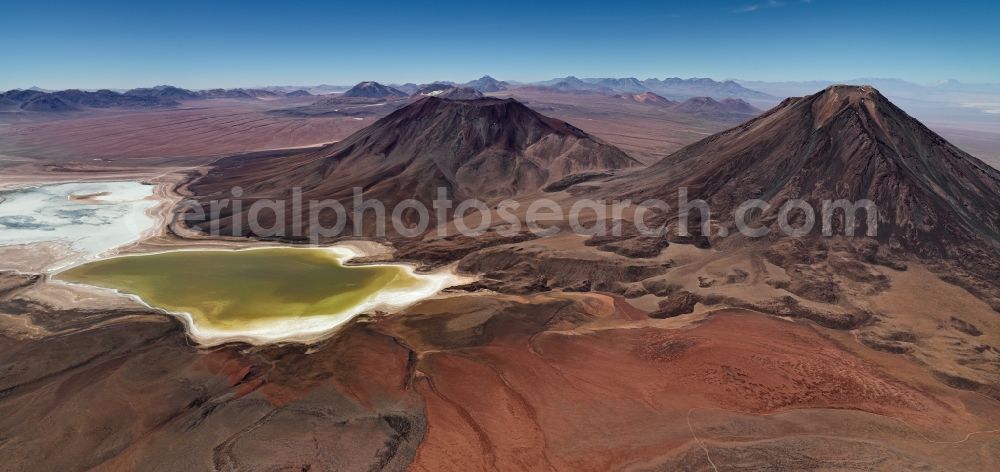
(534, 401)
(562, 381)
(877, 364)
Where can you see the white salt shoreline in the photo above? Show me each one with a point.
(306, 329)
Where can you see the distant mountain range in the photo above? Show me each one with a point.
(712, 98)
(164, 92)
(71, 100)
(672, 88)
(36, 99)
(152, 97)
(724, 109)
(322, 89)
(484, 84)
(947, 100)
(372, 99)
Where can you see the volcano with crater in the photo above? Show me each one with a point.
(845, 142)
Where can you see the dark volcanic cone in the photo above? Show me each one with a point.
(373, 90)
(485, 148)
(851, 143)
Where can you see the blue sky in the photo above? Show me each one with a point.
(200, 44)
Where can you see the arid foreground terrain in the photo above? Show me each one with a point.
(568, 352)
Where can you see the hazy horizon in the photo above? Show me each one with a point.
(464, 80)
(121, 45)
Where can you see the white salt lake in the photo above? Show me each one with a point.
(91, 217)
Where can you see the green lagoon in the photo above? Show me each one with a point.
(262, 294)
